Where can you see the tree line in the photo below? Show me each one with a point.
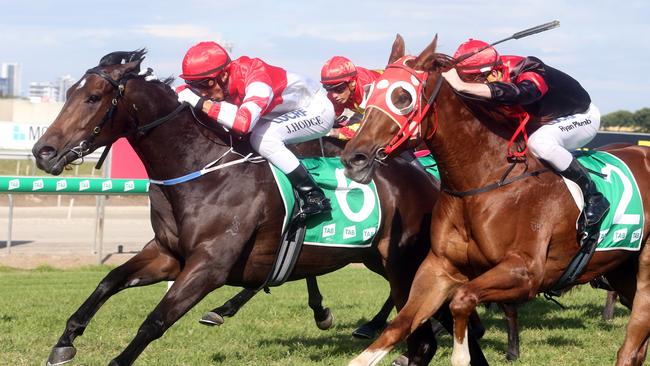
(638, 121)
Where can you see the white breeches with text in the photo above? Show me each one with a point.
(270, 136)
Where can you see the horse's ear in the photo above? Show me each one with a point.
(398, 49)
(425, 60)
(132, 67)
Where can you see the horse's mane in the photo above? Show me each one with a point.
(123, 57)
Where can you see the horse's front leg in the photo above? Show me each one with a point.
(204, 271)
(153, 264)
(431, 287)
(511, 280)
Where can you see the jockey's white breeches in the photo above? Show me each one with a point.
(270, 136)
(553, 140)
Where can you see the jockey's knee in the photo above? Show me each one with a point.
(542, 147)
(266, 142)
(548, 149)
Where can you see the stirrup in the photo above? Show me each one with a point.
(310, 208)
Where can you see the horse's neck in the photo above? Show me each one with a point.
(176, 147)
(469, 154)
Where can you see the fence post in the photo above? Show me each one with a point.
(99, 227)
(11, 219)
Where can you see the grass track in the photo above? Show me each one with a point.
(275, 329)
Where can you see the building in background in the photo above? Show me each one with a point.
(11, 72)
(43, 91)
(4, 87)
(63, 83)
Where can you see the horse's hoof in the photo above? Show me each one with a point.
(511, 356)
(211, 318)
(402, 360)
(61, 355)
(366, 331)
(326, 323)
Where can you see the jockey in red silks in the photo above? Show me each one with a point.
(276, 107)
(348, 86)
(526, 84)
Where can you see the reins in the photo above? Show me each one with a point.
(120, 86)
(500, 183)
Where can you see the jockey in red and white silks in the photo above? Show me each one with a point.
(569, 119)
(348, 87)
(275, 106)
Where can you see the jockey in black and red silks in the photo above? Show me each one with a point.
(275, 106)
(348, 87)
(526, 84)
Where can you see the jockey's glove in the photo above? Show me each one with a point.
(187, 95)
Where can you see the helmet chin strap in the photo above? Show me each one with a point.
(521, 34)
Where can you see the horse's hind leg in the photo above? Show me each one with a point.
(370, 329)
(322, 316)
(147, 267)
(632, 352)
(229, 308)
(510, 310)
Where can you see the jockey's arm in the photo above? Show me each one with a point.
(243, 118)
(528, 88)
(477, 89)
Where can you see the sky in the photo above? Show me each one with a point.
(605, 45)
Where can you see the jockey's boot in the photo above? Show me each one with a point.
(312, 196)
(596, 205)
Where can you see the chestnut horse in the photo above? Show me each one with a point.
(220, 228)
(505, 243)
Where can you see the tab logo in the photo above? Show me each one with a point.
(14, 184)
(349, 232)
(37, 184)
(129, 186)
(84, 185)
(61, 184)
(619, 235)
(107, 185)
(603, 234)
(329, 230)
(369, 233)
(636, 235)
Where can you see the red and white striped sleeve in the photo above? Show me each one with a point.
(258, 96)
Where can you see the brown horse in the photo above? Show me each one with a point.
(504, 244)
(220, 228)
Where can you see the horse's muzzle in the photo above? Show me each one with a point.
(358, 166)
(48, 159)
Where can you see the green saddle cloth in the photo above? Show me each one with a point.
(356, 211)
(622, 227)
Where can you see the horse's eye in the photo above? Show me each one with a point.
(401, 98)
(93, 99)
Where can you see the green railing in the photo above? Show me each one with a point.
(99, 187)
(90, 186)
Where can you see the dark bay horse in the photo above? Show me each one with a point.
(220, 228)
(505, 244)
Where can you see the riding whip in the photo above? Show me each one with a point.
(518, 35)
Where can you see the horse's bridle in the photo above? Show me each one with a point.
(120, 85)
(410, 123)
